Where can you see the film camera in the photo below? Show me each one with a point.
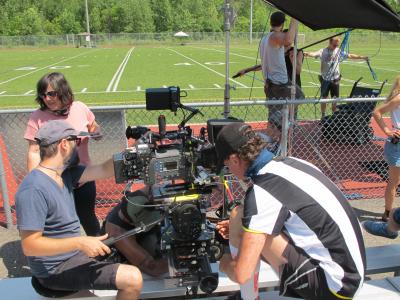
(181, 169)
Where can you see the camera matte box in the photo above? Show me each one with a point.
(158, 99)
(214, 126)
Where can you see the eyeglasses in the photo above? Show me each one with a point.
(49, 94)
(76, 139)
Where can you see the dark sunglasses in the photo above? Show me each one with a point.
(76, 139)
(49, 94)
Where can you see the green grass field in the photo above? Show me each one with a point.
(199, 69)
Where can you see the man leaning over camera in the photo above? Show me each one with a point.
(49, 227)
(294, 218)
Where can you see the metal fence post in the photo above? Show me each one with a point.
(285, 130)
(4, 192)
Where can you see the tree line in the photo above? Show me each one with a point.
(49, 17)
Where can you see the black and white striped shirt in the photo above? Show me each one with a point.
(294, 197)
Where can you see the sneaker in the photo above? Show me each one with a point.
(379, 228)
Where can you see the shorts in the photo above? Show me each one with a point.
(82, 273)
(302, 277)
(331, 87)
(391, 152)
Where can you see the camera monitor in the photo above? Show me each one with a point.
(163, 98)
(214, 126)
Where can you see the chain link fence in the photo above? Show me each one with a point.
(101, 39)
(346, 145)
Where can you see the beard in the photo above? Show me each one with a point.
(73, 160)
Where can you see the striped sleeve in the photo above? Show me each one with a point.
(263, 213)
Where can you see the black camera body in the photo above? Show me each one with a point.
(181, 169)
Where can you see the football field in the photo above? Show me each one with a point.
(120, 75)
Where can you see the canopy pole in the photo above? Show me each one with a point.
(324, 39)
(227, 29)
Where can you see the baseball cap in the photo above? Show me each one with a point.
(230, 139)
(277, 18)
(56, 130)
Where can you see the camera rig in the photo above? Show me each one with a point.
(180, 168)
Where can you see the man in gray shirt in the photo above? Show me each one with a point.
(273, 65)
(49, 227)
(330, 72)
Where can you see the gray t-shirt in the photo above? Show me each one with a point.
(42, 205)
(273, 61)
(330, 60)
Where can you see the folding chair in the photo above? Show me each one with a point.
(351, 122)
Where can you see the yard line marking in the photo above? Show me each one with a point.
(112, 84)
(29, 92)
(313, 83)
(239, 55)
(122, 70)
(204, 66)
(344, 79)
(3, 92)
(138, 89)
(84, 90)
(191, 86)
(164, 86)
(37, 70)
(217, 86)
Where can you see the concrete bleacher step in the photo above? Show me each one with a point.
(380, 259)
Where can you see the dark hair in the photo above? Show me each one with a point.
(48, 151)
(249, 151)
(58, 82)
(277, 19)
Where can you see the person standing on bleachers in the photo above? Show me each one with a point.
(294, 218)
(56, 101)
(392, 145)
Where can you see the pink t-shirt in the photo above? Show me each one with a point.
(80, 116)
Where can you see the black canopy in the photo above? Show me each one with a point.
(323, 14)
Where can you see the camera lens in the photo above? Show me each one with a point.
(209, 283)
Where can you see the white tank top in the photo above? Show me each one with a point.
(396, 117)
(273, 62)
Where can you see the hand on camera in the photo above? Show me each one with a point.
(223, 229)
(392, 133)
(93, 246)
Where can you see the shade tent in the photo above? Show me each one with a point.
(357, 14)
(181, 34)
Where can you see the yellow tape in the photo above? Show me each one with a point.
(340, 296)
(186, 198)
(252, 231)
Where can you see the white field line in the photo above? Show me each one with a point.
(212, 49)
(195, 89)
(3, 92)
(191, 87)
(122, 65)
(204, 66)
(122, 71)
(37, 70)
(84, 90)
(362, 65)
(29, 92)
(138, 89)
(217, 86)
(313, 83)
(164, 86)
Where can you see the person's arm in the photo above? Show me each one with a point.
(356, 56)
(279, 39)
(247, 70)
(241, 269)
(94, 129)
(35, 244)
(385, 108)
(95, 172)
(299, 65)
(33, 155)
(315, 54)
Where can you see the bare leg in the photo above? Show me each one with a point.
(323, 109)
(391, 188)
(129, 282)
